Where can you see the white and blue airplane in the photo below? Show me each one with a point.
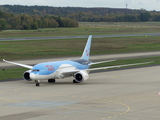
(79, 68)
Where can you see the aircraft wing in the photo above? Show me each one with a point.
(70, 72)
(117, 66)
(101, 62)
(22, 65)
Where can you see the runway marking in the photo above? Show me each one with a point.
(4, 99)
(91, 98)
(9, 100)
(109, 117)
(143, 116)
(116, 76)
(115, 114)
(84, 97)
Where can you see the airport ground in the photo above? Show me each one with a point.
(122, 94)
(129, 94)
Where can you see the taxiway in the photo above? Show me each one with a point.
(129, 94)
(93, 58)
(72, 37)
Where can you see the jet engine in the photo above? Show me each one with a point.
(80, 76)
(26, 75)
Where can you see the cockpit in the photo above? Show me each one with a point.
(35, 70)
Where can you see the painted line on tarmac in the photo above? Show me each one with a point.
(9, 100)
(143, 115)
(4, 99)
(116, 114)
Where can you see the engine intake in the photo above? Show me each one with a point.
(81, 76)
(26, 75)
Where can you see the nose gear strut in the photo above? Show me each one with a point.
(37, 82)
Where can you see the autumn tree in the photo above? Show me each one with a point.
(3, 24)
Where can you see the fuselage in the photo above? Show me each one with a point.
(54, 70)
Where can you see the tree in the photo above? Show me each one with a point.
(145, 16)
(34, 26)
(3, 24)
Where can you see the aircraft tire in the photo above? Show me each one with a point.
(74, 81)
(37, 82)
(51, 80)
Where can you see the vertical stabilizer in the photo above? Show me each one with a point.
(86, 52)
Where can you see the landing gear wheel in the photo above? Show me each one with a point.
(74, 81)
(37, 82)
(51, 80)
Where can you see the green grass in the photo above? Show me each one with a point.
(87, 28)
(14, 50)
(12, 73)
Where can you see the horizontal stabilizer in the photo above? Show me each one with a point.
(101, 62)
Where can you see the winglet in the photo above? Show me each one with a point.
(86, 52)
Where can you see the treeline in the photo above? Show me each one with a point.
(33, 17)
(86, 14)
(141, 17)
(62, 11)
(27, 22)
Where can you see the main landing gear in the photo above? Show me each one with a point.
(51, 80)
(37, 82)
(74, 81)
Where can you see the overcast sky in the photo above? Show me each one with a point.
(132, 4)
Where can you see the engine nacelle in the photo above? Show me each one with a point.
(81, 76)
(26, 75)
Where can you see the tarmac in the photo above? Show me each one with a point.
(72, 37)
(93, 58)
(128, 94)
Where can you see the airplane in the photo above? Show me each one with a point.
(78, 68)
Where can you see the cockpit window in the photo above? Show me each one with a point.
(35, 70)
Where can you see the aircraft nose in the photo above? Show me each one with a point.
(32, 76)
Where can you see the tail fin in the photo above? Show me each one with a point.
(86, 52)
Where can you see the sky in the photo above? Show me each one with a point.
(131, 4)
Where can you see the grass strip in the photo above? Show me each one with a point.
(15, 50)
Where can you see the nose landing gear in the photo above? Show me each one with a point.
(37, 82)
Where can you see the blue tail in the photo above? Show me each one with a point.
(86, 52)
